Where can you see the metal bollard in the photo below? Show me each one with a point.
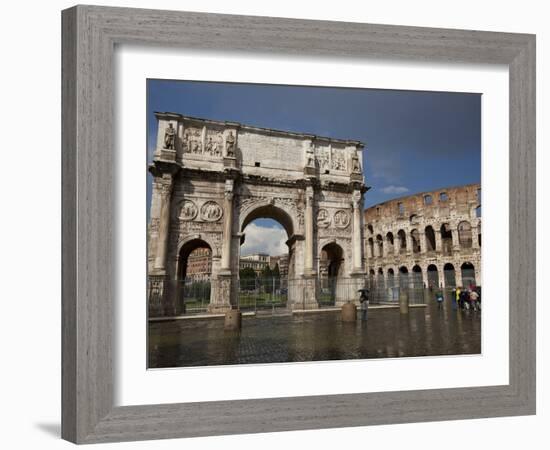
(349, 312)
(403, 301)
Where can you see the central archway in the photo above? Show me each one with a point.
(263, 288)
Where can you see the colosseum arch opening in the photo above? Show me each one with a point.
(403, 277)
(430, 238)
(465, 234)
(446, 239)
(402, 239)
(390, 243)
(468, 274)
(449, 275)
(432, 276)
(417, 281)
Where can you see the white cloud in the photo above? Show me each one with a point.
(394, 189)
(270, 240)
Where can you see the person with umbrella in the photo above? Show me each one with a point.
(364, 299)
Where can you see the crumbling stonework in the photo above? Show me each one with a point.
(426, 239)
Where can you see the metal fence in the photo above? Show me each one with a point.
(264, 294)
(273, 295)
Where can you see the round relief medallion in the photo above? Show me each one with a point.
(323, 218)
(188, 210)
(211, 211)
(341, 219)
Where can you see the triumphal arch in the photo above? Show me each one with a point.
(212, 178)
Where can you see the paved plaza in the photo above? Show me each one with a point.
(315, 336)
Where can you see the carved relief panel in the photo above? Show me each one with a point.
(338, 162)
(192, 140)
(323, 218)
(213, 143)
(188, 210)
(211, 212)
(341, 219)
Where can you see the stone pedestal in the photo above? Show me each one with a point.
(232, 320)
(403, 301)
(222, 298)
(349, 312)
(306, 297)
(229, 162)
(155, 295)
(167, 154)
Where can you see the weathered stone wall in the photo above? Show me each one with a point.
(435, 229)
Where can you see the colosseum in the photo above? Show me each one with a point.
(426, 240)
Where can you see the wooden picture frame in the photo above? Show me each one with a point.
(90, 34)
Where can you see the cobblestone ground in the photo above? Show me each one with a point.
(315, 337)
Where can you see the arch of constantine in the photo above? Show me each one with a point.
(212, 178)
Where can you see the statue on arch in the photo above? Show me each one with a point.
(230, 145)
(170, 137)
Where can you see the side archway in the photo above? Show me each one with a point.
(331, 284)
(193, 287)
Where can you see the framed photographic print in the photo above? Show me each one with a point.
(245, 200)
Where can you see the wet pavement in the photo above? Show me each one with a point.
(315, 337)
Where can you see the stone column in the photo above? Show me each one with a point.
(441, 276)
(408, 240)
(456, 242)
(223, 286)
(164, 192)
(425, 280)
(227, 227)
(396, 245)
(356, 238)
(370, 253)
(458, 276)
(308, 221)
(477, 270)
(475, 242)
(422, 241)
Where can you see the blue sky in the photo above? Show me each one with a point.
(414, 141)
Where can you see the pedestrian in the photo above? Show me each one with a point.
(439, 298)
(454, 298)
(464, 304)
(478, 290)
(458, 298)
(474, 300)
(364, 299)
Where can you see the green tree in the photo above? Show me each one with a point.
(248, 278)
(277, 276)
(266, 272)
(266, 277)
(247, 272)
